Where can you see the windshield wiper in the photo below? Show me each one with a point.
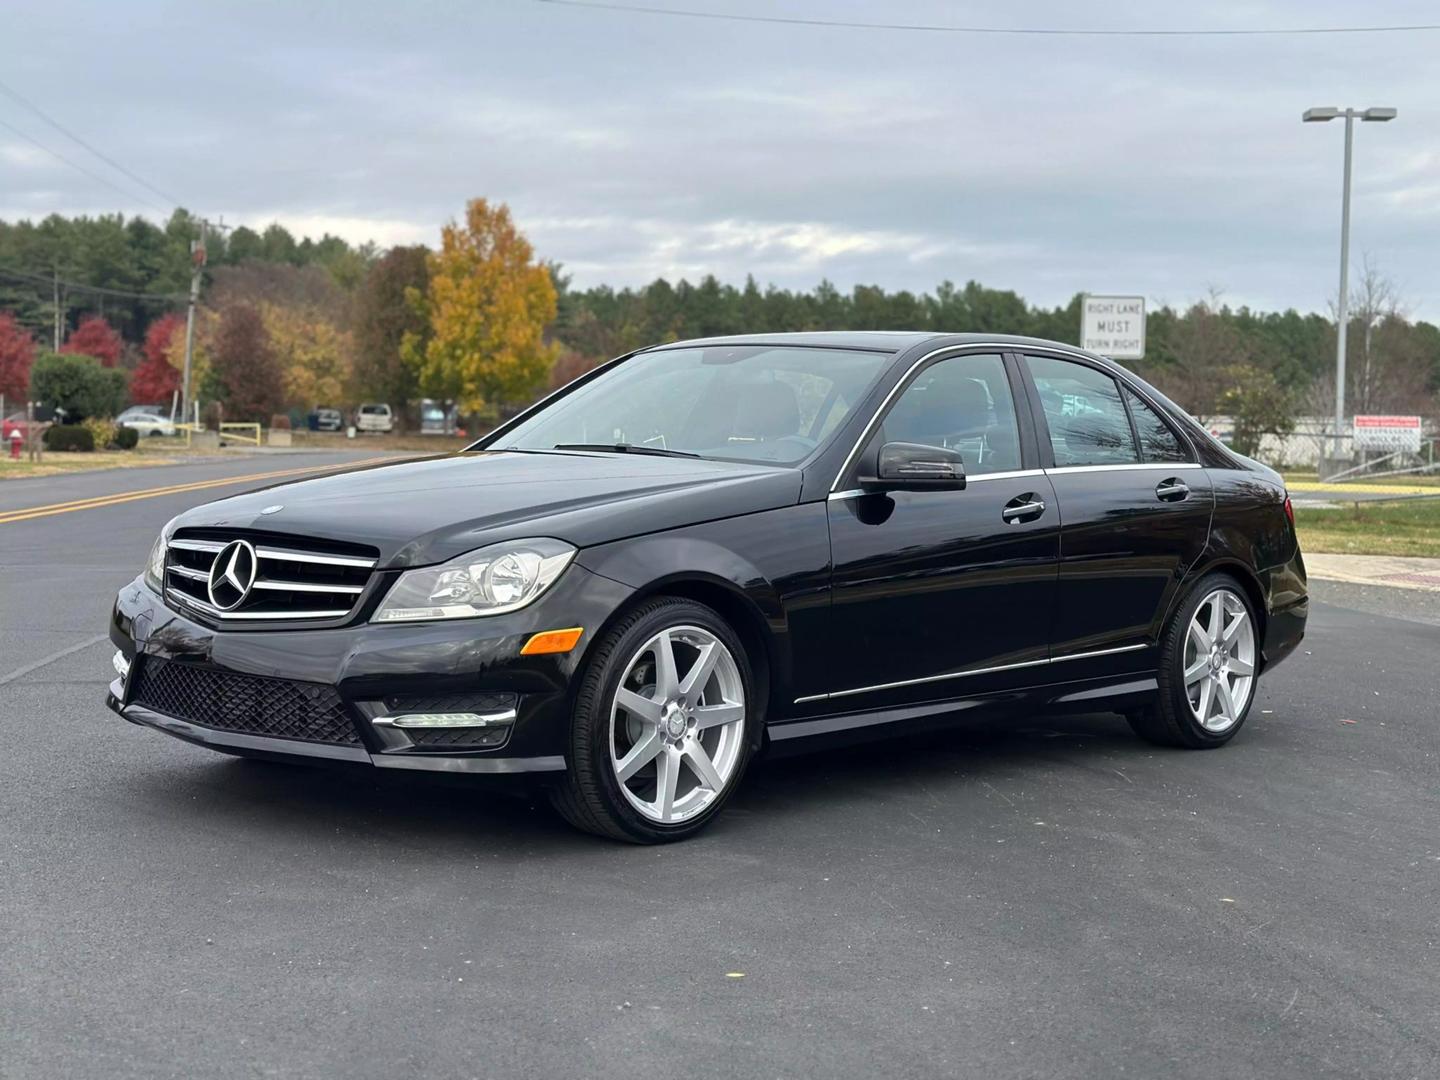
(624, 448)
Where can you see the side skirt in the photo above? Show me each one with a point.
(1109, 694)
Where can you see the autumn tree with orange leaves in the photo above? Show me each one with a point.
(487, 304)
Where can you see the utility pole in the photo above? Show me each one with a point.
(197, 271)
(1321, 115)
(55, 279)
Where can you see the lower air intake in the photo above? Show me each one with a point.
(248, 704)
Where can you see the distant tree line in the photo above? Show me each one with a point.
(289, 324)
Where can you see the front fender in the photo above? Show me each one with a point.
(767, 572)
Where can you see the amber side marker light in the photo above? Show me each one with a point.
(552, 641)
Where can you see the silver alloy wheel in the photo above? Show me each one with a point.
(677, 724)
(1220, 661)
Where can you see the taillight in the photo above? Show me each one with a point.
(1289, 510)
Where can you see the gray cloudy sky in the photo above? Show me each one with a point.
(632, 145)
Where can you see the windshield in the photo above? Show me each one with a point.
(733, 402)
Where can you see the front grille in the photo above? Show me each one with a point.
(249, 704)
(254, 577)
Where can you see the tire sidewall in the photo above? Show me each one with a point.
(592, 716)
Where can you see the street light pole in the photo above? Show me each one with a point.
(1342, 314)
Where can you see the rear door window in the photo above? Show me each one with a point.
(1084, 412)
(1158, 441)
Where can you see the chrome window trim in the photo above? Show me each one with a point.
(1012, 474)
(1127, 467)
(972, 671)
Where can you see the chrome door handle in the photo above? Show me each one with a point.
(1022, 508)
(1172, 490)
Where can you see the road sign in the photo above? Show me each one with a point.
(1387, 433)
(1113, 326)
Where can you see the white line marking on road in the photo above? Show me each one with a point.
(38, 664)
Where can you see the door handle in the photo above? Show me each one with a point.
(1025, 507)
(1172, 490)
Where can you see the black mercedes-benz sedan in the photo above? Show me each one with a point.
(708, 548)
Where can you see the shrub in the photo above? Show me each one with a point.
(102, 432)
(126, 438)
(72, 437)
(77, 384)
(279, 422)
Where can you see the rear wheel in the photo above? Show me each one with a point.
(1209, 661)
(663, 725)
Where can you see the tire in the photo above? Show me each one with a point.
(1187, 650)
(628, 735)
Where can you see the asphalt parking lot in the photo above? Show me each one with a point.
(1043, 900)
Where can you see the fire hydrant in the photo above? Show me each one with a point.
(15, 440)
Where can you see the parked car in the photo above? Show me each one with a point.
(703, 549)
(437, 418)
(147, 420)
(374, 417)
(18, 422)
(326, 419)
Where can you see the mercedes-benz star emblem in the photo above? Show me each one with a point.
(232, 575)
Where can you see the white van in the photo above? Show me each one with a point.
(374, 417)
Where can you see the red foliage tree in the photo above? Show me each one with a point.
(247, 371)
(95, 337)
(155, 379)
(17, 352)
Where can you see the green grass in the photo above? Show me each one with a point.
(55, 463)
(1411, 527)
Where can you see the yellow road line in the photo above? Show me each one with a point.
(175, 489)
(1366, 489)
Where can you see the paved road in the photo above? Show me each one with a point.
(1049, 899)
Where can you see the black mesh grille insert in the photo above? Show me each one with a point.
(210, 697)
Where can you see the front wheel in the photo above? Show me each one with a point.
(1209, 663)
(663, 727)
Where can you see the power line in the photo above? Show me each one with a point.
(75, 286)
(80, 168)
(780, 20)
(15, 96)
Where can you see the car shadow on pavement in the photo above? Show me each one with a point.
(367, 806)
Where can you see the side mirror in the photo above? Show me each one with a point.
(916, 467)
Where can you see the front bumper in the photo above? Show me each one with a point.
(374, 670)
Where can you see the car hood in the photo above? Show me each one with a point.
(424, 511)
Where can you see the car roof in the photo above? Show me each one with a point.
(879, 340)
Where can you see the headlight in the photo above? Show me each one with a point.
(155, 565)
(490, 581)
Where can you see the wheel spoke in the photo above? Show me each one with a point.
(1197, 669)
(1227, 701)
(1241, 667)
(667, 773)
(1217, 617)
(638, 705)
(699, 674)
(699, 761)
(1199, 638)
(1233, 628)
(708, 716)
(667, 682)
(640, 755)
(1207, 697)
